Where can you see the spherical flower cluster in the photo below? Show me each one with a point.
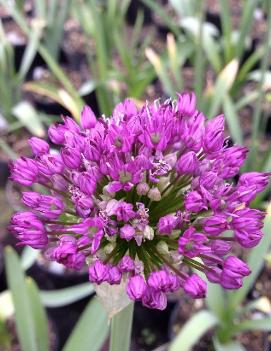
(145, 197)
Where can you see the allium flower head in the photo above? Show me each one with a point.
(141, 197)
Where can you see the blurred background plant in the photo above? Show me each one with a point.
(65, 54)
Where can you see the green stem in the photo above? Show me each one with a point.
(121, 329)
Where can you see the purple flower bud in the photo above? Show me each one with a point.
(247, 218)
(51, 164)
(48, 206)
(142, 189)
(86, 183)
(154, 299)
(230, 282)
(195, 286)
(136, 287)
(29, 230)
(126, 264)
(214, 135)
(39, 146)
(188, 163)
(71, 157)
(114, 275)
(166, 224)
(186, 104)
(56, 133)
(174, 283)
(98, 272)
(24, 171)
(88, 118)
(127, 232)
(159, 280)
(59, 183)
(254, 179)
(220, 247)
(194, 202)
(215, 224)
(214, 275)
(234, 268)
(248, 239)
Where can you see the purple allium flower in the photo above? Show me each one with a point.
(136, 287)
(98, 272)
(29, 230)
(39, 146)
(142, 198)
(195, 286)
(166, 224)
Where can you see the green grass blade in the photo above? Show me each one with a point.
(263, 324)
(193, 330)
(29, 117)
(63, 297)
(39, 315)
(231, 346)
(258, 107)
(226, 28)
(121, 329)
(245, 27)
(223, 84)
(25, 326)
(232, 119)
(91, 330)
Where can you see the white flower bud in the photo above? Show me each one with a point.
(162, 248)
(154, 194)
(148, 232)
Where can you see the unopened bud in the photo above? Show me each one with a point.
(162, 248)
(154, 194)
(148, 233)
(142, 189)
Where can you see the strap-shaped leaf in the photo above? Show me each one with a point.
(121, 328)
(232, 346)
(25, 319)
(193, 330)
(39, 315)
(63, 297)
(91, 330)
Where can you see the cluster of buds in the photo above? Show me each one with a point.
(144, 197)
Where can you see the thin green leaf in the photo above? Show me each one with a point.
(226, 28)
(246, 23)
(233, 120)
(216, 300)
(232, 346)
(162, 13)
(263, 324)
(39, 315)
(91, 330)
(193, 330)
(222, 86)
(31, 50)
(25, 325)
(57, 94)
(29, 117)
(121, 329)
(63, 297)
